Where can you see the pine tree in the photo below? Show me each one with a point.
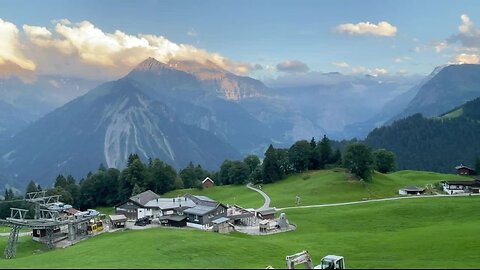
(325, 152)
(31, 187)
(137, 190)
(270, 168)
(60, 181)
(314, 162)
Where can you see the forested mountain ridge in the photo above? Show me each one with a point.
(434, 144)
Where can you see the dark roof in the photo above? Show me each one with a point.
(413, 188)
(144, 197)
(267, 211)
(173, 217)
(200, 210)
(220, 220)
(464, 167)
(462, 182)
(203, 200)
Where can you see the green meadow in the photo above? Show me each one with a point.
(418, 233)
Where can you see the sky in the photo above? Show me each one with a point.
(263, 39)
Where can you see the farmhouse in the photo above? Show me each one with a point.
(411, 190)
(456, 186)
(464, 170)
(136, 206)
(223, 225)
(206, 210)
(268, 213)
(207, 183)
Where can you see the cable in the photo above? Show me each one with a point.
(22, 200)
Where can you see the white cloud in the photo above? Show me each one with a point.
(468, 35)
(402, 59)
(440, 46)
(366, 28)
(340, 64)
(114, 53)
(467, 59)
(293, 66)
(466, 24)
(10, 47)
(192, 33)
(369, 71)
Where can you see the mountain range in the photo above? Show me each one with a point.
(183, 111)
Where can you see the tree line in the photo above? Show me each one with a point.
(110, 186)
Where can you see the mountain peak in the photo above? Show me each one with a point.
(150, 64)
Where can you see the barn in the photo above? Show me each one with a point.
(207, 183)
(464, 170)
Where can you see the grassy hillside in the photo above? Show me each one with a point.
(421, 233)
(333, 186)
(320, 187)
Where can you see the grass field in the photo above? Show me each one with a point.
(6, 229)
(321, 187)
(417, 233)
(333, 186)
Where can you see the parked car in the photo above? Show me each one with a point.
(143, 221)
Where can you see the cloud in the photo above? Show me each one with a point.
(86, 49)
(10, 47)
(192, 33)
(369, 71)
(402, 59)
(466, 24)
(292, 66)
(366, 28)
(467, 59)
(340, 64)
(440, 46)
(468, 35)
(468, 40)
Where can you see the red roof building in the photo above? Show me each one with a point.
(207, 183)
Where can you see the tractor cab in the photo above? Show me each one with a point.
(331, 262)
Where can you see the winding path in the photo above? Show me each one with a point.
(375, 200)
(266, 204)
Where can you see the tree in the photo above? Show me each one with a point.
(252, 162)
(238, 172)
(324, 151)
(60, 181)
(9, 195)
(101, 167)
(271, 170)
(192, 176)
(314, 160)
(65, 196)
(224, 174)
(163, 175)
(384, 160)
(137, 190)
(299, 155)
(70, 180)
(358, 160)
(337, 157)
(31, 187)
